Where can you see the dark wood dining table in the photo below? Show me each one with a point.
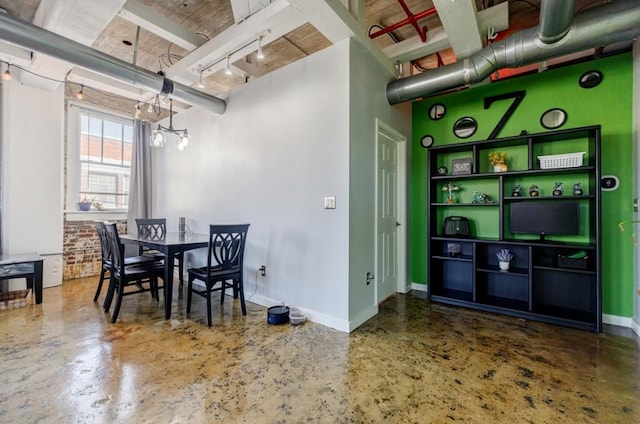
(171, 244)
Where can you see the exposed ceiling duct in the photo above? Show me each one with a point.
(32, 37)
(597, 27)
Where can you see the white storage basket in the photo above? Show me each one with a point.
(567, 160)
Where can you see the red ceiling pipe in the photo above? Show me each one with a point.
(411, 19)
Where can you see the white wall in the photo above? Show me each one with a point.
(636, 179)
(368, 102)
(32, 173)
(269, 160)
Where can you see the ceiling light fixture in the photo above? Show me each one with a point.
(227, 69)
(80, 94)
(138, 111)
(159, 135)
(260, 52)
(7, 73)
(200, 80)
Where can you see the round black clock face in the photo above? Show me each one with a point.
(590, 79)
(465, 127)
(426, 141)
(437, 111)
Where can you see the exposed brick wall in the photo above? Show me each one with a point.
(81, 247)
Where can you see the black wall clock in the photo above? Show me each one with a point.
(437, 111)
(426, 141)
(465, 127)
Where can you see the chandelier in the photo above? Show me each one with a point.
(159, 135)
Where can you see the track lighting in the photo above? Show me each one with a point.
(80, 94)
(7, 73)
(200, 80)
(260, 53)
(227, 69)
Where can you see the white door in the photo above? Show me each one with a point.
(390, 235)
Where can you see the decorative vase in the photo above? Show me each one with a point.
(504, 266)
(84, 206)
(500, 168)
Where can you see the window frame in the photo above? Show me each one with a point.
(73, 162)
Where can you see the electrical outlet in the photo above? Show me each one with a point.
(263, 270)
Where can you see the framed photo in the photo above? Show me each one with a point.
(461, 166)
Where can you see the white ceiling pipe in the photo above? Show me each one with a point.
(34, 38)
(597, 27)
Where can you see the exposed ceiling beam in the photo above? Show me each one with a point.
(495, 18)
(274, 21)
(15, 55)
(335, 22)
(460, 21)
(242, 9)
(147, 18)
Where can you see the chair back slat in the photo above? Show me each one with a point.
(104, 242)
(226, 246)
(152, 228)
(115, 246)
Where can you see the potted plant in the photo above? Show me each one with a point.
(450, 188)
(84, 204)
(498, 161)
(504, 259)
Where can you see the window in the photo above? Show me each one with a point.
(99, 158)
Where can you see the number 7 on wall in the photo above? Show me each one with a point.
(517, 97)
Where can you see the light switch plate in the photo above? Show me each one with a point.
(330, 202)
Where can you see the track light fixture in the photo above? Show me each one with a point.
(260, 54)
(7, 73)
(159, 135)
(227, 69)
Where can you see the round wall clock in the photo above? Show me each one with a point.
(437, 111)
(426, 141)
(590, 79)
(465, 127)
(553, 118)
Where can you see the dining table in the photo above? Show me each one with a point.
(170, 244)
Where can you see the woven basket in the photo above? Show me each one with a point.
(567, 160)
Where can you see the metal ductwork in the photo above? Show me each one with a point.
(555, 19)
(597, 27)
(46, 42)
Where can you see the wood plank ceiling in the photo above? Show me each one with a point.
(215, 29)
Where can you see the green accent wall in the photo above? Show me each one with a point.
(609, 105)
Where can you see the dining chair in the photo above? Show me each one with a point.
(225, 259)
(105, 252)
(123, 276)
(156, 229)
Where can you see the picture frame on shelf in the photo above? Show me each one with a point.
(462, 166)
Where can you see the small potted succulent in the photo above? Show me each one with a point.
(450, 188)
(504, 259)
(84, 204)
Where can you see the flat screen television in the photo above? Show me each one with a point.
(544, 218)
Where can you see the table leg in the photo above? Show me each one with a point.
(37, 280)
(168, 283)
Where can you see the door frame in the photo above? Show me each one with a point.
(389, 132)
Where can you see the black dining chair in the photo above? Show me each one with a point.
(106, 264)
(225, 259)
(124, 276)
(156, 229)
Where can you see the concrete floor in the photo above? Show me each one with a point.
(63, 362)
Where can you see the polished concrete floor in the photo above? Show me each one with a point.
(63, 362)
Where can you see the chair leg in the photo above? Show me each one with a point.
(189, 288)
(109, 297)
(116, 309)
(99, 289)
(180, 257)
(223, 289)
(209, 304)
(241, 290)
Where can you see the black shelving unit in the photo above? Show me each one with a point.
(539, 285)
